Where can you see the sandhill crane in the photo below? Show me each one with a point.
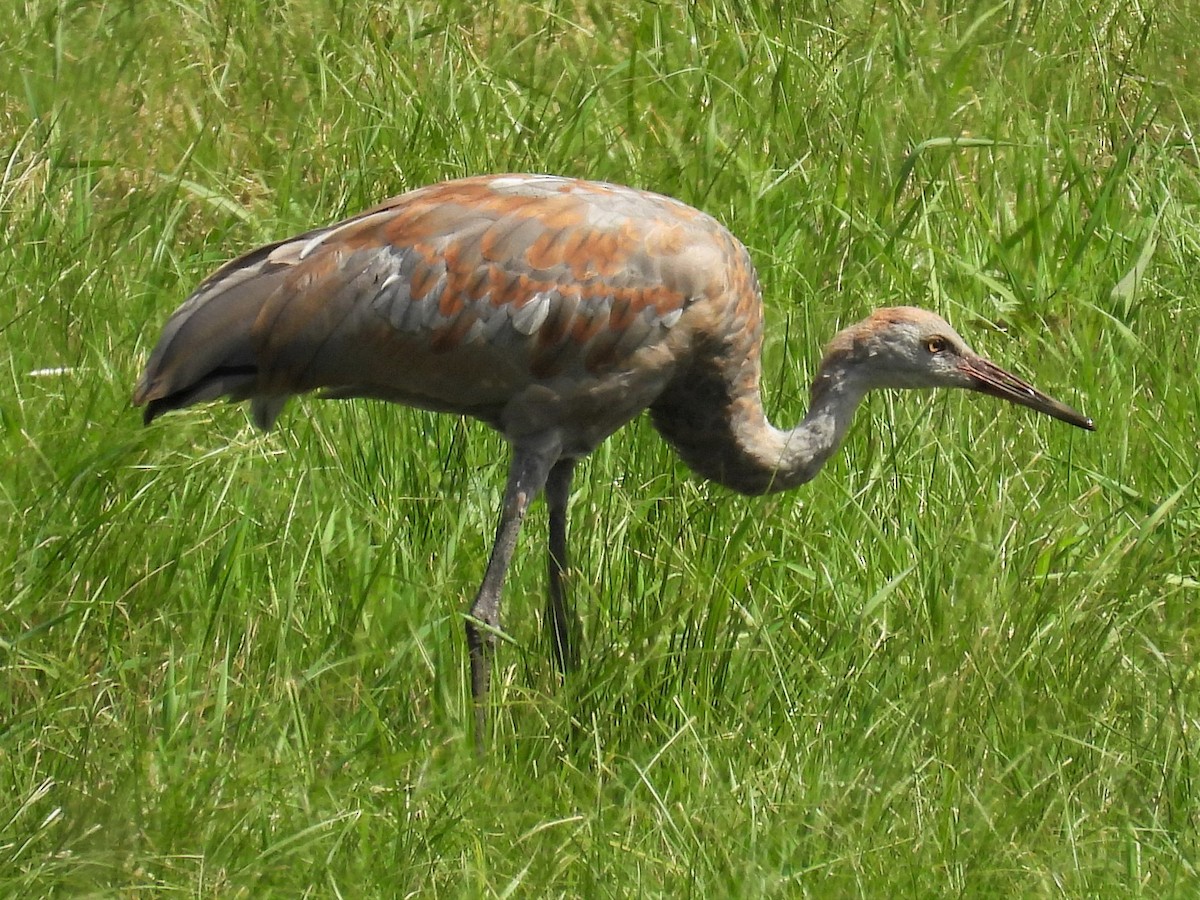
(555, 311)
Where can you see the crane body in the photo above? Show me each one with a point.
(554, 310)
(529, 302)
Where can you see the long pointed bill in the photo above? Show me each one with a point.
(988, 378)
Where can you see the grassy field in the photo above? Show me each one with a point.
(962, 661)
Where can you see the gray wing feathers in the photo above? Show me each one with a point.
(346, 311)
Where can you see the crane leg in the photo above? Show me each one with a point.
(526, 478)
(562, 623)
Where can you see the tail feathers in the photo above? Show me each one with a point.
(233, 381)
(207, 348)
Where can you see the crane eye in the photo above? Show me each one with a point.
(936, 345)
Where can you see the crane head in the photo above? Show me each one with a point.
(906, 347)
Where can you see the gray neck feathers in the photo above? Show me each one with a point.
(718, 426)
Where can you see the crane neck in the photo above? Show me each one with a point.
(716, 422)
(796, 455)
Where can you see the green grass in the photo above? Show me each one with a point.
(964, 660)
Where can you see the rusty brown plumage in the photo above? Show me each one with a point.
(554, 310)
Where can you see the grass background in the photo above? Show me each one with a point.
(962, 661)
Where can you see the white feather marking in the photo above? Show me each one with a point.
(670, 318)
(284, 253)
(529, 318)
(314, 243)
(517, 181)
(474, 331)
(321, 238)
